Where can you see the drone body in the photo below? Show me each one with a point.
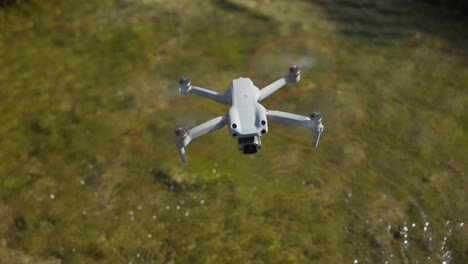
(247, 118)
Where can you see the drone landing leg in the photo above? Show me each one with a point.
(182, 154)
(313, 123)
(183, 137)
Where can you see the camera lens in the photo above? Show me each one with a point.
(250, 149)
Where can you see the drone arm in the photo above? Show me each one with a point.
(208, 127)
(313, 123)
(271, 88)
(220, 98)
(289, 119)
(186, 88)
(294, 76)
(185, 137)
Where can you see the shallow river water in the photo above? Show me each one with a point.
(89, 170)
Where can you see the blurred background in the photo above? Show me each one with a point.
(89, 170)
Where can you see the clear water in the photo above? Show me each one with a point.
(90, 172)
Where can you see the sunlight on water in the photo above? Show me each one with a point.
(90, 172)
(413, 239)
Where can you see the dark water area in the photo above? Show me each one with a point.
(460, 5)
(89, 170)
(387, 22)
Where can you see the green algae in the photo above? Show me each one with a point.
(90, 174)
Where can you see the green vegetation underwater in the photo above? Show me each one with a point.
(89, 170)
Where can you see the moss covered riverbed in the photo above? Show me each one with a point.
(89, 171)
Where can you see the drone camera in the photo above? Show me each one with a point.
(249, 145)
(250, 149)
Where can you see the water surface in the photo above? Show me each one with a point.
(90, 172)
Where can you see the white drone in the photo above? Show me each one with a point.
(247, 118)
